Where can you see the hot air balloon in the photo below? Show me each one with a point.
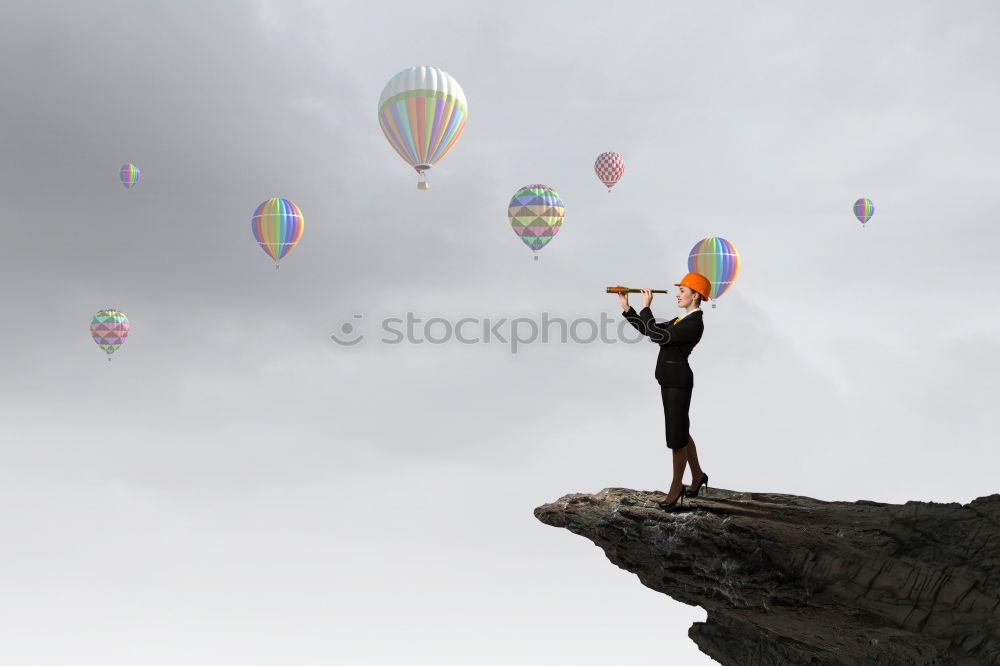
(716, 259)
(536, 214)
(129, 174)
(863, 210)
(609, 167)
(277, 226)
(109, 328)
(422, 112)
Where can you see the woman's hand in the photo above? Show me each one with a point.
(647, 298)
(623, 298)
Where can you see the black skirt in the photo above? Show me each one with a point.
(676, 401)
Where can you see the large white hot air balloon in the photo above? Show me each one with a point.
(422, 112)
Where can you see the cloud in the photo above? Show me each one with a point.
(844, 363)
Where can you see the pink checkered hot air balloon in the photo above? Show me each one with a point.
(609, 167)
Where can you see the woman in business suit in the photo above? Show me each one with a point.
(676, 339)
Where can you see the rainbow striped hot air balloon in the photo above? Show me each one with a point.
(609, 167)
(536, 214)
(109, 328)
(863, 210)
(422, 112)
(716, 259)
(129, 174)
(277, 226)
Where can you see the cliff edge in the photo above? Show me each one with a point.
(794, 580)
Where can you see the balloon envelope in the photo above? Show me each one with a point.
(129, 174)
(536, 214)
(422, 112)
(609, 167)
(716, 259)
(109, 328)
(277, 225)
(864, 209)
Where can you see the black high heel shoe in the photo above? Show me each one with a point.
(680, 496)
(704, 482)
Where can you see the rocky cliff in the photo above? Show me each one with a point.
(794, 580)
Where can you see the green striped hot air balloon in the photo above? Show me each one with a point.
(863, 210)
(716, 259)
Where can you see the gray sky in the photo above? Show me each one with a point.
(236, 488)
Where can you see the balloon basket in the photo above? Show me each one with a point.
(276, 267)
(713, 306)
(422, 183)
(536, 257)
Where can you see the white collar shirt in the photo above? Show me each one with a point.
(692, 312)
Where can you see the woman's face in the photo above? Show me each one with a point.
(684, 297)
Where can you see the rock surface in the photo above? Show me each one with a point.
(794, 580)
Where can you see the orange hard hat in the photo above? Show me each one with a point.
(696, 282)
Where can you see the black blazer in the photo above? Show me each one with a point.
(676, 340)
